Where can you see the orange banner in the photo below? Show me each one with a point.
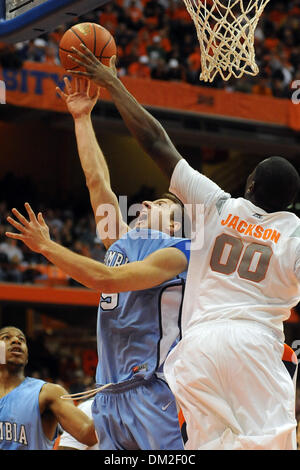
(34, 86)
(49, 295)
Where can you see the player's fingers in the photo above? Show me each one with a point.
(68, 85)
(76, 86)
(88, 87)
(21, 217)
(96, 94)
(78, 73)
(112, 62)
(30, 212)
(83, 85)
(41, 219)
(61, 93)
(16, 224)
(86, 55)
(79, 62)
(16, 236)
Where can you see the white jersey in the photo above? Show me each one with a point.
(249, 264)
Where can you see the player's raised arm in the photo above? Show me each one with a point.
(146, 129)
(157, 268)
(80, 104)
(71, 418)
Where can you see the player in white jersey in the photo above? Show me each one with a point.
(226, 372)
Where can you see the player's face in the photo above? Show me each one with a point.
(157, 215)
(16, 346)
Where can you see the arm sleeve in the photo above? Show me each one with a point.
(185, 247)
(191, 187)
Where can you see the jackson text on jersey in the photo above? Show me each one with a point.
(251, 230)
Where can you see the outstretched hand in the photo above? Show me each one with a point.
(77, 97)
(94, 69)
(34, 232)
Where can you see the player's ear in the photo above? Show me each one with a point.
(251, 187)
(176, 228)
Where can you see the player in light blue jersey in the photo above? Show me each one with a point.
(142, 286)
(30, 409)
(136, 330)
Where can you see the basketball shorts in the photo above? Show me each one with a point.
(233, 388)
(137, 415)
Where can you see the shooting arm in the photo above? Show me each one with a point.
(156, 268)
(98, 182)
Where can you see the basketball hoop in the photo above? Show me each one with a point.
(225, 29)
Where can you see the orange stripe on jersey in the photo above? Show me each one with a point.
(289, 355)
(181, 418)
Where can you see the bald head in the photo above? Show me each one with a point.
(274, 184)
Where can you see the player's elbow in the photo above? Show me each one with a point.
(88, 435)
(93, 180)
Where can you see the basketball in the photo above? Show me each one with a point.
(93, 36)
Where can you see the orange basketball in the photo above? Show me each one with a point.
(93, 36)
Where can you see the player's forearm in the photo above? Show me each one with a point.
(145, 128)
(91, 156)
(85, 270)
(87, 435)
(96, 275)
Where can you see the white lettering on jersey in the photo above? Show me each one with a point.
(11, 432)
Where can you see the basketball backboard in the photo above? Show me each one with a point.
(21, 20)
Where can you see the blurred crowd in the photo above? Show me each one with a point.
(157, 39)
(71, 224)
(76, 231)
(21, 265)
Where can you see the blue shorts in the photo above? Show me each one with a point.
(137, 415)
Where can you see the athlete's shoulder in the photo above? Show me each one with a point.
(33, 382)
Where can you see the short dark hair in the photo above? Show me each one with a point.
(184, 219)
(173, 198)
(11, 326)
(277, 184)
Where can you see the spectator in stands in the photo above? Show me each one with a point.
(163, 29)
(12, 251)
(140, 69)
(262, 87)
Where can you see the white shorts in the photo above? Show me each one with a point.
(233, 388)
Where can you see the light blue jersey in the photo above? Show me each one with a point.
(20, 419)
(136, 330)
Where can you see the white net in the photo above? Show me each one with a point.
(225, 29)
